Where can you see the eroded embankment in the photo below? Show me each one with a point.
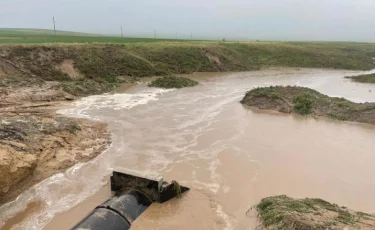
(36, 144)
(83, 70)
(305, 101)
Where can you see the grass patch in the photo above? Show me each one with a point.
(346, 217)
(302, 104)
(170, 82)
(306, 101)
(282, 212)
(365, 78)
(177, 188)
(279, 211)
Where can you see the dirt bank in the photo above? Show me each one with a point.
(305, 101)
(35, 143)
(282, 212)
(83, 70)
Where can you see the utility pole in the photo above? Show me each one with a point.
(191, 36)
(121, 32)
(54, 25)
(176, 35)
(155, 34)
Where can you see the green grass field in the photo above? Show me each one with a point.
(35, 36)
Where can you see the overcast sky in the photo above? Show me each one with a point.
(348, 20)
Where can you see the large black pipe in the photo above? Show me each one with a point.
(117, 213)
(123, 208)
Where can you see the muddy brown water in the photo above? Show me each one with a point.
(231, 156)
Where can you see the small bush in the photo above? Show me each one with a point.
(170, 82)
(302, 104)
(73, 127)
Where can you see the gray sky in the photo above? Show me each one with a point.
(348, 20)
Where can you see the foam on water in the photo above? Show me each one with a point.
(120, 101)
(228, 221)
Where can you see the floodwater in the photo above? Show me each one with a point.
(231, 156)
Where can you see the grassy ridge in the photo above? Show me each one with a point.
(38, 39)
(40, 36)
(102, 66)
(24, 32)
(148, 59)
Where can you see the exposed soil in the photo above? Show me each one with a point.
(35, 143)
(67, 66)
(305, 101)
(214, 58)
(6, 68)
(282, 212)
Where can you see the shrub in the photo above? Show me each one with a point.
(169, 82)
(302, 104)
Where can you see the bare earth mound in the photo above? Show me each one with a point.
(305, 101)
(282, 212)
(34, 147)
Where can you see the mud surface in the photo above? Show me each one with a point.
(231, 156)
